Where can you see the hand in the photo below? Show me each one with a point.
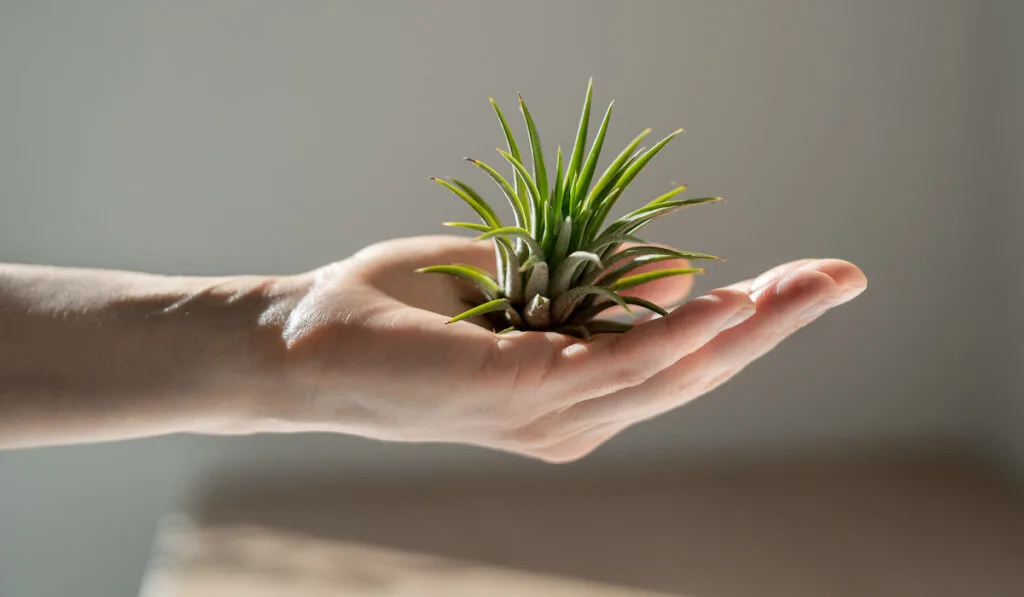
(369, 353)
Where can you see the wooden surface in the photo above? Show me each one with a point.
(872, 529)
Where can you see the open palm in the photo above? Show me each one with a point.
(371, 342)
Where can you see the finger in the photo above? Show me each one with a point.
(769, 276)
(391, 268)
(783, 306)
(409, 254)
(843, 272)
(612, 362)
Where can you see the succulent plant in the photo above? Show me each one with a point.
(559, 266)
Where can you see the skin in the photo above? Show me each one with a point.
(361, 347)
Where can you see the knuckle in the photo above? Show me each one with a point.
(630, 374)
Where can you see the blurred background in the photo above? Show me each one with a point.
(874, 453)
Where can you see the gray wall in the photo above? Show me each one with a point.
(1007, 130)
(261, 137)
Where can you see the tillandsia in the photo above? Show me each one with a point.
(559, 266)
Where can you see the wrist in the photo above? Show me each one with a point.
(222, 342)
(93, 355)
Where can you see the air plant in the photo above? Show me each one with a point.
(559, 266)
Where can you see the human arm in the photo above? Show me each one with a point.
(360, 347)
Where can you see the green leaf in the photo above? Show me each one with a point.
(595, 223)
(613, 169)
(530, 262)
(620, 270)
(539, 172)
(607, 240)
(467, 225)
(564, 273)
(513, 148)
(600, 326)
(501, 266)
(504, 252)
(515, 232)
(605, 201)
(518, 206)
(579, 229)
(633, 281)
(581, 135)
(610, 189)
(564, 304)
(538, 312)
(633, 221)
(628, 176)
(509, 274)
(582, 184)
(585, 315)
(660, 202)
(469, 191)
(556, 194)
(567, 205)
(482, 209)
(537, 281)
(488, 307)
(667, 196)
(644, 250)
(630, 223)
(531, 187)
(553, 208)
(482, 279)
(477, 197)
(562, 242)
(621, 263)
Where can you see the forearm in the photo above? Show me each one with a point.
(94, 355)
